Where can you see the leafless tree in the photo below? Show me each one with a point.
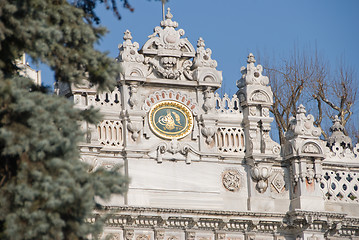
(338, 92)
(305, 77)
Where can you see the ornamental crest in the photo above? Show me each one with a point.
(171, 120)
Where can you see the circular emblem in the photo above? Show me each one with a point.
(231, 180)
(170, 119)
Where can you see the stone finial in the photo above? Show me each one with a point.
(302, 125)
(338, 135)
(200, 42)
(127, 35)
(251, 58)
(168, 22)
(203, 56)
(129, 50)
(337, 126)
(252, 74)
(169, 14)
(301, 109)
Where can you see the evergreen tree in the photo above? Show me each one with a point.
(45, 191)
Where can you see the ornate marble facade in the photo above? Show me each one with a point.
(224, 178)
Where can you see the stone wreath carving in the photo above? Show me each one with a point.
(231, 180)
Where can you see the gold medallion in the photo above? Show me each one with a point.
(171, 119)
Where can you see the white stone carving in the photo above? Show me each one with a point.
(338, 135)
(208, 105)
(265, 112)
(208, 132)
(261, 175)
(311, 148)
(302, 125)
(252, 110)
(111, 236)
(173, 147)
(203, 56)
(167, 50)
(159, 235)
(173, 199)
(259, 96)
(133, 100)
(278, 182)
(231, 180)
(227, 105)
(108, 99)
(110, 133)
(340, 186)
(169, 95)
(230, 140)
(220, 236)
(252, 75)
(172, 238)
(310, 175)
(268, 145)
(131, 62)
(128, 234)
(190, 235)
(143, 237)
(129, 50)
(135, 128)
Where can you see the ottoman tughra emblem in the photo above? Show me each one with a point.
(231, 180)
(171, 120)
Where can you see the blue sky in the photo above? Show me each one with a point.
(234, 28)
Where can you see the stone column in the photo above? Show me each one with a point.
(256, 98)
(304, 152)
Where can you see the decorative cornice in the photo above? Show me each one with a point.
(232, 221)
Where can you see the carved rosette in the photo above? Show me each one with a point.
(231, 180)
